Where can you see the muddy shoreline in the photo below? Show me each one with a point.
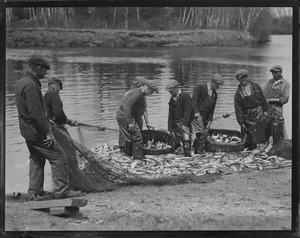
(50, 37)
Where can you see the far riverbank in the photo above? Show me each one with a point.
(50, 37)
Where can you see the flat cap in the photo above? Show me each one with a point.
(152, 84)
(139, 81)
(172, 84)
(38, 60)
(54, 79)
(240, 73)
(218, 79)
(276, 68)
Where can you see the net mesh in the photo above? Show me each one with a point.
(91, 173)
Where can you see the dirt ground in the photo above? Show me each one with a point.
(256, 200)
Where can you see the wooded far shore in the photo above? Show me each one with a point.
(54, 37)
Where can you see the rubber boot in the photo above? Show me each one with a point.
(128, 148)
(199, 143)
(137, 151)
(187, 149)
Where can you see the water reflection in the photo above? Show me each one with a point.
(96, 79)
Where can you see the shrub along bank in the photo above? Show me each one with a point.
(49, 37)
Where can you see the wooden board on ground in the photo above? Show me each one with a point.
(74, 202)
(59, 206)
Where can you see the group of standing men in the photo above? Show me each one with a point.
(37, 114)
(258, 111)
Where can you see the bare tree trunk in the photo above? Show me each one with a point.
(126, 18)
(114, 17)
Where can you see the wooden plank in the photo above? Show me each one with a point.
(74, 202)
(70, 211)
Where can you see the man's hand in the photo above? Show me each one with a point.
(131, 126)
(208, 125)
(51, 122)
(101, 128)
(244, 128)
(49, 141)
(186, 129)
(150, 127)
(72, 122)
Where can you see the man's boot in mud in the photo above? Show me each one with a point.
(127, 149)
(137, 151)
(199, 143)
(187, 148)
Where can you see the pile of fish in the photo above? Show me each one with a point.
(155, 166)
(223, 138)
(156, 145)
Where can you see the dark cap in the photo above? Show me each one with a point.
(40, 61)
(240, 73)
(276, 68)
(153, 85)
(218, 79)
(172, 84)
(54, 79)
(139, 81)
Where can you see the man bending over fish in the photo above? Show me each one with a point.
(129, 114)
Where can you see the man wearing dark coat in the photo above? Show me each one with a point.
(55, 105)
(204, 101)
(180, 116)
(35, 127)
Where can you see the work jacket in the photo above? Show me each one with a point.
(203, 103)
(278, 90)
(180, 111)
(243, 103)
(55, 107)
(32, 111)
(132, 105)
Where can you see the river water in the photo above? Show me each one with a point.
(95, 80)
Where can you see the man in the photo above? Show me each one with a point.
(36, 129)
(55, 105)
(251, 109)
(204, 101)
(129, 113)
(138, 82)
(277, 92)
(180, 115)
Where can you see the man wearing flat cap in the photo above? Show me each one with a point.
(250, 108)
(129, 113)
(277, 92)
(55, 105)
(180, 115)
(138, 82)
(35, 127)
(204, 101)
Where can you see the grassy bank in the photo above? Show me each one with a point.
(49, 37)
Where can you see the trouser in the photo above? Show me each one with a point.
(59, 168)
(183, 136)
(199, 130)
(133, 138)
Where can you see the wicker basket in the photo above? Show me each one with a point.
(224, 147)
(161, 136)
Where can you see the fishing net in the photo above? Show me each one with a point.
(91, 172)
